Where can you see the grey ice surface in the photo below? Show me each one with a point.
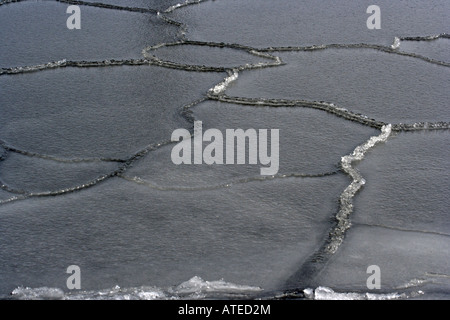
(263, 23)
(438, 49)
(408, 240)
(87, 104)
(31, 37)
(123, 233)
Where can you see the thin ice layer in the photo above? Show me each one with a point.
(311, 143)
(113, 112)
(121, 233)
(36, 175)
(325, 293)
(406, 239)
(401, 256)
(438, 49)
(36, 32)
(263, 23)
(407, 165)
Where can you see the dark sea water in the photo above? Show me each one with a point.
(86, 176)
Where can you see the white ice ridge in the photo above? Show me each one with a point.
(325, 293)
(194, 288)
(427, 38)
(413, 283)
(49, 65)
(197, 285)
(221, 87)
(183, 4)
(116, 293)
(396, 43)
(80, 64)
(346, 198)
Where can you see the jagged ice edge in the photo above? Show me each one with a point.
(346, 198)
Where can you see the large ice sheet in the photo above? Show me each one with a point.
(408, 261)
(262, 23)
(36, 175)
(387, 87)
(438, 49)
(74, 113)
(408, 165)
(311, 142)
(408, 240)
(36, 32)
(125, 234)
(161, 231)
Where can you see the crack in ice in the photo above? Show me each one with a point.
(228, 184)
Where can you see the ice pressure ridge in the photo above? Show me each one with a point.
(346, 198)
(194, 288)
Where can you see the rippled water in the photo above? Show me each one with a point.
(86, 176)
